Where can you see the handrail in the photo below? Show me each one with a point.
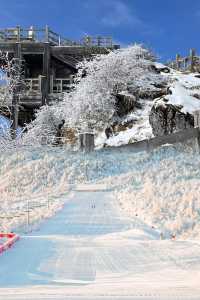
(47, 35)
(57, 85)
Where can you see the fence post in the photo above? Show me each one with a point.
(51, 84)
(18, 33)
(178, 61)
(192, 57)
(28, 215)
(46, 33)
(86, 142)
(196, 115)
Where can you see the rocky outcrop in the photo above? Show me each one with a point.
(125, 103)
(133, 96)
(166, 118)
(153, 91)
(159, 68)
(116, 127)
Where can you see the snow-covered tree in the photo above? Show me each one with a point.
(5, 96)
(92, 103)
(11, 72)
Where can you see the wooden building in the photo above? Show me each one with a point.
(49, 63)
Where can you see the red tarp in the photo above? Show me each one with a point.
(7, 240)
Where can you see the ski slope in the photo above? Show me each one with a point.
(91, 250)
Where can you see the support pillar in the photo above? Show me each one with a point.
(192, 58)
(46, 74)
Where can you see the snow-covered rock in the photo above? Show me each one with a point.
(166, 118)
(174, 112)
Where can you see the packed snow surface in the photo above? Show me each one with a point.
(91, 250)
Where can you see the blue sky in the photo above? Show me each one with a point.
(166, 26)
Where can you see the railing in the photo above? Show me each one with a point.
(60, 85)
(19, 34)
(33, 85)
(188, 63)
(47, 35)
(57, 85)
(97, 41)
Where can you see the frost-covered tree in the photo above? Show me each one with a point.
(12, 84)
(92, 102)
(12, 78)
(5, 95)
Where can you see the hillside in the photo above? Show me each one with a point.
(158, 116)
(161, 187)
(123, 97)
(111, 223)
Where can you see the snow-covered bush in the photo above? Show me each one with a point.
(44, 127)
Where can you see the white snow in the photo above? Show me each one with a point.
(141, 129)
(91, 250)
(163, 186)
(183, 88)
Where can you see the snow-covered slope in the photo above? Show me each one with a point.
(161, 187)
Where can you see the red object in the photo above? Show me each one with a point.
(11, 238)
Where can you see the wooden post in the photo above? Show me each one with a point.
(185, 63)
(51, 84)
(43, 89)
(18, 33)
(192, 57)
(28, 216)
(86, 142)
(99, 41)
(46, 74)
(46, 33)
(198, 142)
(178, 61)
(197, 118)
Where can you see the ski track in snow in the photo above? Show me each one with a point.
(90, 250)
